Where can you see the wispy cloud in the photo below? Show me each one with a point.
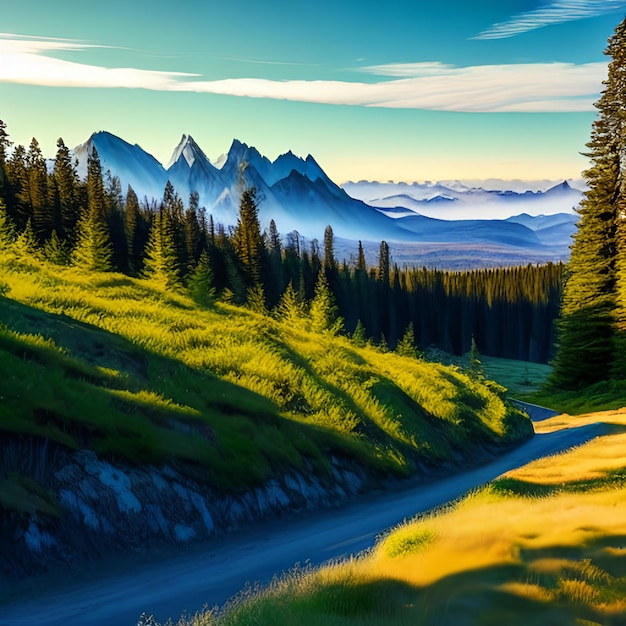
(26, 60)
(550, 87)
(553, 13)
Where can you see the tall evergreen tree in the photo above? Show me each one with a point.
(329, 249)
(290, 309)
(55, 250)
(93, 250)
(200, 284)
(406, 345)
(619, 360)
(358, 336)
(323, 312)
(255, 299)
(132, 230)
(66, 189)
(586, 328)
(43, 218)
(7, 230)
(161, 260)
(5, 144)
(26, 245)
(273, 268)
(114, 214)
(384, 270)
(361, 265)
(96, 196)
(194, 243)
(17, 187)
(247, 240)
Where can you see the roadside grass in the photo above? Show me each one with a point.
(603, 396)
(545, 544)
(123, 367)
(527, 381)
(521, 378)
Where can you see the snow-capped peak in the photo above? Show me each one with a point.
(188, 149)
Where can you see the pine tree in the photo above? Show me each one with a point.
(329, 249)
(406, 345)
(96, 197)
(323, 312)
(114, 214)
(384, 271)
(619, 361)
(66, 189)
(131, 230)
(247, 240)
(7, 230)
(176, 213)
(193, 234)
(5, 144)
(26, 245)
(273, 268)
(56, 251)
(474, 364)
(17, 184)
(93, 251)
(256, 299)
(200, 284)
(361, 265)
(161, 260)
(290, 308)
(358, 336)
(43, 219)
(586, 328)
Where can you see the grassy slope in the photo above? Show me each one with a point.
(128, 369)
(543, 545)
(525, 382)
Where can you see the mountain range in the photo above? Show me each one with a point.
(449, 224)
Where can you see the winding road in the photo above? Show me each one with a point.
(214, 572)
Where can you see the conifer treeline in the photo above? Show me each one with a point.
(592, 327)
(91, 223)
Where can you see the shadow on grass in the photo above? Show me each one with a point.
(414, 425)
(474, 596)
(150, 408)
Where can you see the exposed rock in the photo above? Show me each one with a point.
(111, 506)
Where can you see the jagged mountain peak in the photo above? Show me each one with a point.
(188, 149)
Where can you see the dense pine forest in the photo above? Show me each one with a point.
(91, 223)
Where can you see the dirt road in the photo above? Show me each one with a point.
(214, 572)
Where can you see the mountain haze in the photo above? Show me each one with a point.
(299, 196)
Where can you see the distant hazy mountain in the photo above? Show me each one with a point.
(455, 200)
(421, 222)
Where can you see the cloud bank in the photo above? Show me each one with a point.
(553, 13)
(533, 87)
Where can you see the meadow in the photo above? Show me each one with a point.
(144, 374)
(544, 544)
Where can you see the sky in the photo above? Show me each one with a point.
(402, 90)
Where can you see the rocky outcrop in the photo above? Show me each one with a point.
(109, 506)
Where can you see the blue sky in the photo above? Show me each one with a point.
(396, 91)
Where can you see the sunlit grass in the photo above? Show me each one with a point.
(499, 556)
(123, 366)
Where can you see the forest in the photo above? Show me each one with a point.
(48, 211)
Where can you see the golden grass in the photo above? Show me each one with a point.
(495, 558)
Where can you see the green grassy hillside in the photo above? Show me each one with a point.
(542, 545)
(133, 371)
